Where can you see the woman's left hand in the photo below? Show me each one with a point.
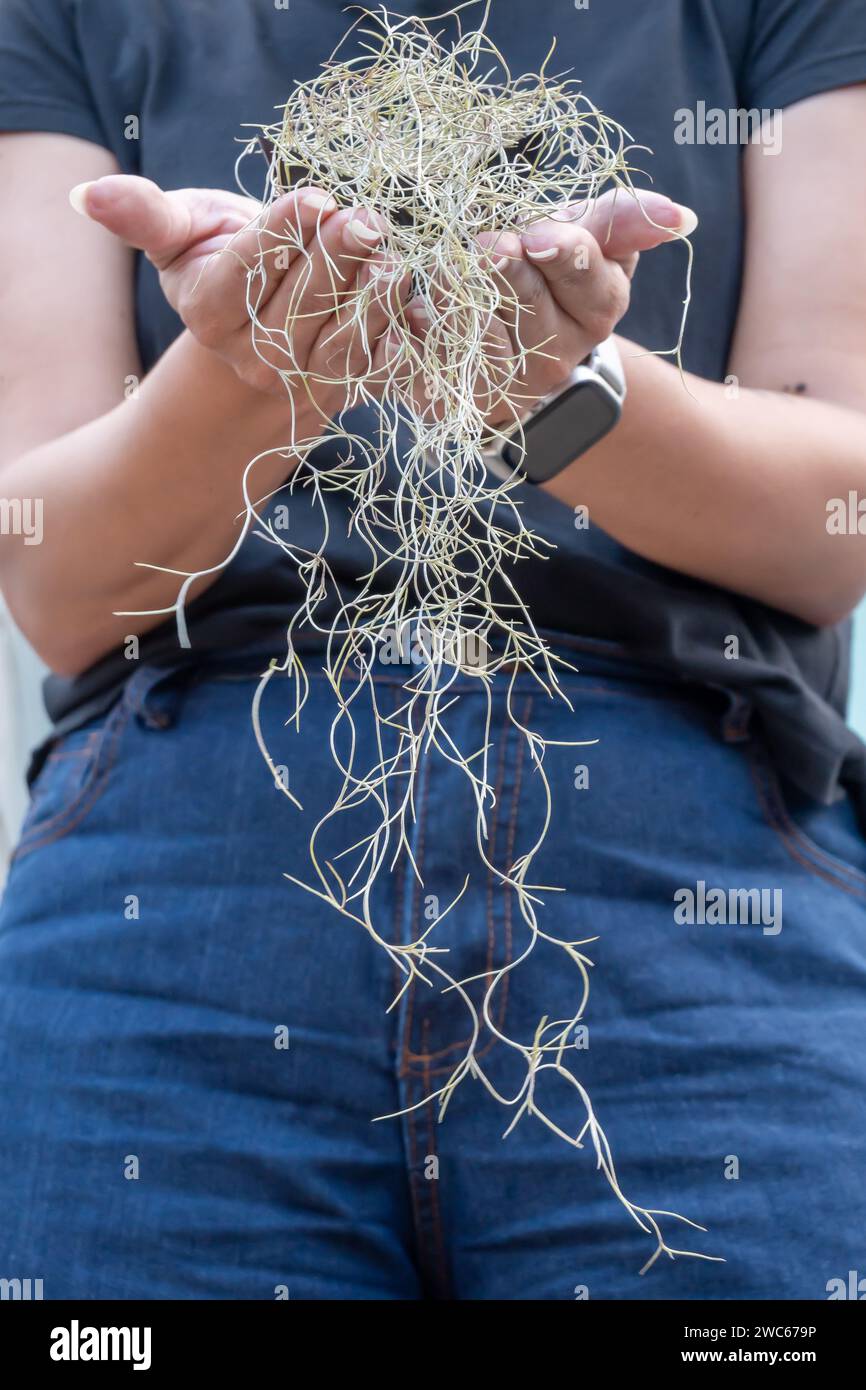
(572, 281)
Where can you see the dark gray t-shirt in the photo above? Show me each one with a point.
(193, 72)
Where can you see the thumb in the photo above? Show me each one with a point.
(625, 223)
(139, 212)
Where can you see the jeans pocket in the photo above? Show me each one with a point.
(825, 840)
(73, 770)
(71, 776)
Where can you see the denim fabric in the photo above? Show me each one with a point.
(156, 1142)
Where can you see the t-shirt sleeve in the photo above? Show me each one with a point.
(799, 48)
(43, 84)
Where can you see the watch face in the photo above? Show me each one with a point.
(564, 430)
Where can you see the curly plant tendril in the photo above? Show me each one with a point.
(444, 144)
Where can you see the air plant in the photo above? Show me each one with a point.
(444, 143)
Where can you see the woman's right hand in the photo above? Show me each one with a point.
(181, 231)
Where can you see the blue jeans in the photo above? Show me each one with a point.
(194, 1049)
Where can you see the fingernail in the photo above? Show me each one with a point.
(314, 199)
(368, 236)
(78, 197)
(419, 310)
(673, 215)
(688, 219)
(550, 254)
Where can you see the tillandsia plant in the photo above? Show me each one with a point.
(442, 145)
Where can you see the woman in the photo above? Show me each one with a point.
(193, 1048)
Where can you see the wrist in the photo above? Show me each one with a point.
(565, 423)
(253, 412)
(504, 420)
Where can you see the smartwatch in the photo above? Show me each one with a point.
(564, 424)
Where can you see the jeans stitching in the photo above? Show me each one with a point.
(416, 896)
(104, 754)
(425, 1058)
(414, 1190)
(797, 844)
(512, 836)
(491, 879)
(435, 1209)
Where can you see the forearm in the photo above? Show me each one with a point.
(730, 486)
(157, 479)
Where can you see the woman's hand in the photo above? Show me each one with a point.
(311, 249)
(571, 276)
